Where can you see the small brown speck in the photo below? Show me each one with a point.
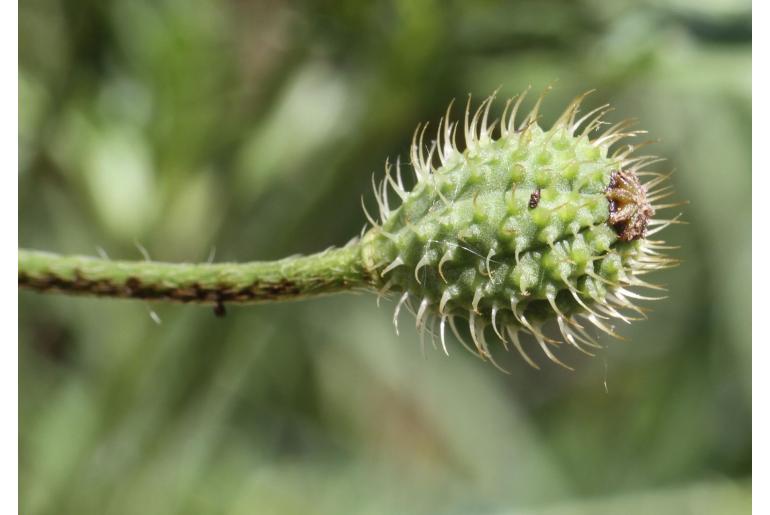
(219, 309)
(534, 199)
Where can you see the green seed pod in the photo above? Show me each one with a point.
(523, 226)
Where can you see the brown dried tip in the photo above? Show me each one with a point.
(629, 209)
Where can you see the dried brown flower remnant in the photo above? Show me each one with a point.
(630, 210)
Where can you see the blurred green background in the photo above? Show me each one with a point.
(253, 128)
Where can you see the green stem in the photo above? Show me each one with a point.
(330, 271)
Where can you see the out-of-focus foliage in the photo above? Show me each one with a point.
(253, 128)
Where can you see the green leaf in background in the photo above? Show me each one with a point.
(253, 128)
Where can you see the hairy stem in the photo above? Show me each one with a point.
(330, 271)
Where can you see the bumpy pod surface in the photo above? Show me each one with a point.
(523, 226)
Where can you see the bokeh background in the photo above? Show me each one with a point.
(252, 128)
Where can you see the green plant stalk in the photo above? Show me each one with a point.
(524, 226)
(330, 271)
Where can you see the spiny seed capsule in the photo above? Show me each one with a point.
(522, 227)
